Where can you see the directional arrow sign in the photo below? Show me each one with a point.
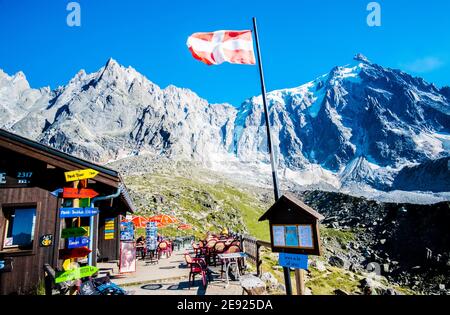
(79, 193)
(76, 242)
(73, 232)
(77, 212)
(80, 174)
(73, 253)
(57, 192)
(75, 274)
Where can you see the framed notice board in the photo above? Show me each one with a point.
(293, 236)
(294, 227)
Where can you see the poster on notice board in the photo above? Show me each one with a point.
(126, 231)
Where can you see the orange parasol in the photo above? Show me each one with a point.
(163, 219)
(139, 221)
(158, 224)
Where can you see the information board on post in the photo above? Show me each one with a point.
(293, 236)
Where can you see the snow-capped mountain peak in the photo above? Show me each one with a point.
(358, 124)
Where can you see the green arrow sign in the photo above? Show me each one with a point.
(73, 232)
(75, 274)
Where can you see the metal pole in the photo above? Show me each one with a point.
(266, 114)
(276, 188)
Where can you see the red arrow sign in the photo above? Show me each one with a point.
(73, 253)
(79, 193)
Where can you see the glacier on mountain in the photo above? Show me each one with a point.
(353, 129)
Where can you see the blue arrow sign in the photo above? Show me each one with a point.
(57, 192)
(77, 212)
(76, 242)
(293, 260)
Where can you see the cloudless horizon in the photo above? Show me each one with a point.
(300, 40)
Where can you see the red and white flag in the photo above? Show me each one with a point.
(223, 46)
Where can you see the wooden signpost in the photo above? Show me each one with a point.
(77, 204)
(294, 233)
(80, 174)
(75, 274)
(79, 193)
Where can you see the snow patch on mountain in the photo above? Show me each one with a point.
(353, 129)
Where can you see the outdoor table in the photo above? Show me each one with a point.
(229, 260)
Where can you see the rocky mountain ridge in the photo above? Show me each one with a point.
(353, 129)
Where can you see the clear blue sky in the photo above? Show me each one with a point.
(300, 39)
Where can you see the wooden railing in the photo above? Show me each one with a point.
(251, 246)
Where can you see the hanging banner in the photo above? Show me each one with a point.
(76, 242)
(126, 231)
(127, 261)
(75, 274)
(77, 212)
(80, 174)
(109, 229)
(151, 232)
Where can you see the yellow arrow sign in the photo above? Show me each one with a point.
(80, 174)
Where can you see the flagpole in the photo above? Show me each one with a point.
(276, 188)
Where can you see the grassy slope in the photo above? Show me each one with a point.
(206, 205)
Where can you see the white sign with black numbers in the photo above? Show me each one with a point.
(2, 178)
